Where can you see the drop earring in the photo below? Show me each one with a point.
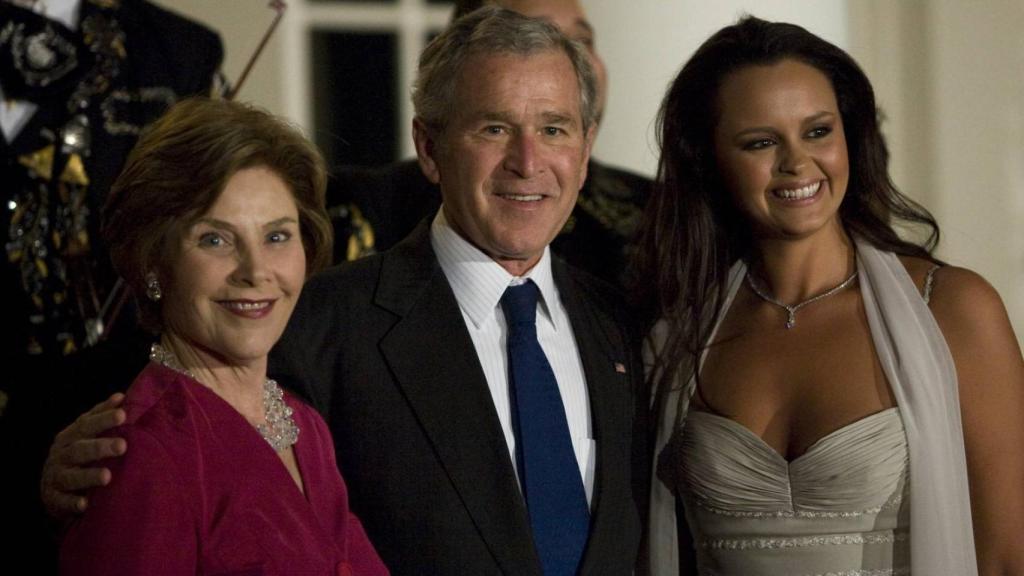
(153, 291)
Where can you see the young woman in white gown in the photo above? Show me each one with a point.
(832, 399)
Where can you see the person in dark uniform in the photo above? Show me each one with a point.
(375, 207)
(80, 79)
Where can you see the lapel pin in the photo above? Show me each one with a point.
(620, 367)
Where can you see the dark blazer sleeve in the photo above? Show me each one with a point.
(307, 358)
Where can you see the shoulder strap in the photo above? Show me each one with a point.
(929, 281)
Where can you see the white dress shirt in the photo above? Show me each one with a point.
(478, 283)
(14, 114)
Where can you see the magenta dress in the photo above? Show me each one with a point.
(201, 492)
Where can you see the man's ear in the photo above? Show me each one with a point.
(426, 150)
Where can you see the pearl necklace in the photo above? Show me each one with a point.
(280, 430)
(791, 319)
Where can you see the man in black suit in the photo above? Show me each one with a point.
(404, 352)
(375, 207)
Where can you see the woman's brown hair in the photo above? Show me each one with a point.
(692, 233)
(178, 169)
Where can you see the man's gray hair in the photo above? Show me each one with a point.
(492, 31)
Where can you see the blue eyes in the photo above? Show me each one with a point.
(211, 240)
(217, 240)
(278, 237)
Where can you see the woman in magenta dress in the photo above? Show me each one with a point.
(215, 224)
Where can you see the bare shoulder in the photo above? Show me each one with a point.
(976, 327)
(968, 309)
(955, 292)
(990, 379)
(963, 300)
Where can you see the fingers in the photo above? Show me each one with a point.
(88, 451)
(69, 479)
(63, 505)
(100, 418)
(75, 446)
(60, 483)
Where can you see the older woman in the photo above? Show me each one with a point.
(215, 223)
(833, 399)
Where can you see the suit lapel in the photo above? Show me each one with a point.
(601, 352)
(435, 364)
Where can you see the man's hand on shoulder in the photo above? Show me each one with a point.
(67, 472)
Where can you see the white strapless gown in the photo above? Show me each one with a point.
(839, 509)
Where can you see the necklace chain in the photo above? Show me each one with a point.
(791, 310)
(280, 430)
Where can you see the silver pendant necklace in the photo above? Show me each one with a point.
(791, 310)
(280, 430)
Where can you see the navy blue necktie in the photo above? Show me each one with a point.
(548, 472)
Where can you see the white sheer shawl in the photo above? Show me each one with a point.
(920, 370)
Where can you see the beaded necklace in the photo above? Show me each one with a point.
(280, 430)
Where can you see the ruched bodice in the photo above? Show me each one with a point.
(839, 508)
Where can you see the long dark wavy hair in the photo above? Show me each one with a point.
(692, 232)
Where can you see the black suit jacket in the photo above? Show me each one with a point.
(380, 347)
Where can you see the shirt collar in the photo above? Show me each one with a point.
(478, 281)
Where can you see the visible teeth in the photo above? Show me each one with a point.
(799, 193)
(523, 197)
(247, 305)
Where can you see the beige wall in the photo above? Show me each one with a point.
(950, 76)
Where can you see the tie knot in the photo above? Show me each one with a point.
(520, 303)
